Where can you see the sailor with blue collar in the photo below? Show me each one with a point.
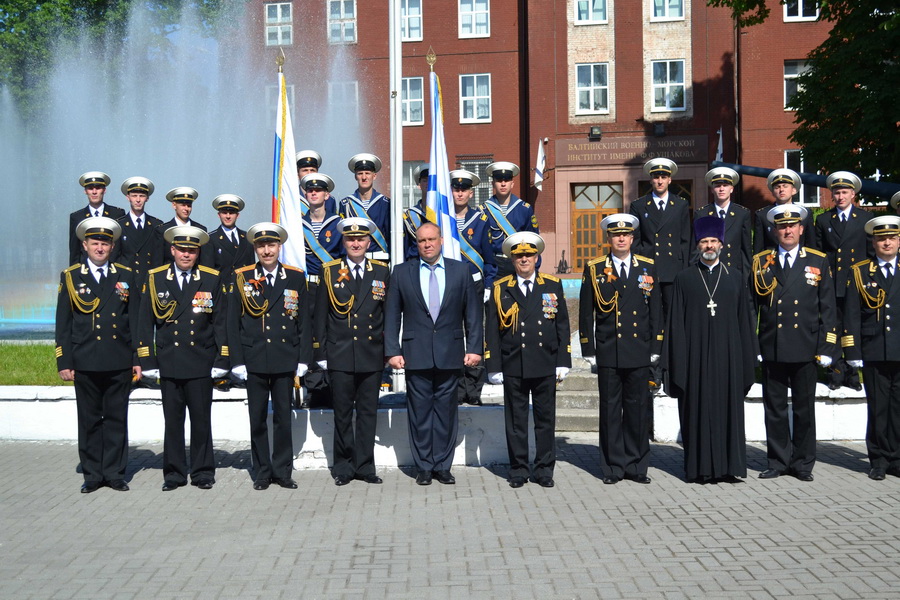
(310, 161)
(507, 213)
(321, 233)
(414, 216)
(367, 203)
(473, 230)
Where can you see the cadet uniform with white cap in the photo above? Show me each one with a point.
(871, 340)
(367, 203)
(183, 311)
(797, 328)
(94, 184)
(620, 319)
(415, 215)
(182, 199)
(507, 213)
(528, 350)
(140, 246)
(736, 247)
(784, 185)
(310, 161)
(270, 342)
(841, 235)
(228, 248)
(349, 342)
(321, 230)
(96, 318)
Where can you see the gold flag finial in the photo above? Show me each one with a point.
(431, 58)
(279, 59)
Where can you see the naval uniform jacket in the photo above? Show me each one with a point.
(223, 256)
(620, 321)
(189, 326)
(95, 323)
(519, 214)
(411, 216)
(348, 328)
(797, 315)
(166, 248)
(140, 249)
(764, 232)
(379, 212)
(527, 337)
(663, 236)
(76, 250)
(476, 231)
(736, 249)
(872, 318)
(844, 243)
(269, 329)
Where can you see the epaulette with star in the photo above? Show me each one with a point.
(814, 252)
(380, 263)
(207, 270)
(292, 268)
(643, 259)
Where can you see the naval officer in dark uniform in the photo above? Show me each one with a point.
(784, 185)
(349, 331)
(94, 184)
(736, 247)
(182, 199)
(228, 248)
(528, 350)
(96, 316)
(270, 342)
(140, 246)
(183, 310)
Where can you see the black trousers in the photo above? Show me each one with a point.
(280, 386)
(516, 391)
(195, 395)
(471, 382)
(624, 421)
(786, 452)
(432, 410)
(101, 399)
(883, 396)
(354, 450)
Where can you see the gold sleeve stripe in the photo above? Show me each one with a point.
(569, 349)
(487, 354)
(831, 338)
(584, 340)
(316, 345)
(58, 351)
(224, 350)
(143, 351)
(659, 338)
(847, 341)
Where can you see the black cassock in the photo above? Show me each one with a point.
(710, 360)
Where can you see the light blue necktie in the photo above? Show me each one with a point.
(434, 294)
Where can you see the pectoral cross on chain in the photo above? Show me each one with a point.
(712, 307)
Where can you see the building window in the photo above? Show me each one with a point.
(413, 101)
(668, 9)
(807, 195)
(590, 11)
(592, 88)
(474, 18)
(801, 10)
(343, 97)
(792, 70)
(342, 21)
(477, 163)
(411, 20)
(668, 85)
(278, 24)
(272, 103)
(475, 98)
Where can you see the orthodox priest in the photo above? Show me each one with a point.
(709, 354)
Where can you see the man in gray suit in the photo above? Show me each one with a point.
(443, 331)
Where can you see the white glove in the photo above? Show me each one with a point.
(561, 373)
(654, 359)
(487, 295)
(301, 369)
(759, 358)
(825, 361)
(495, 378)
(217, 373)
(592, 360)
(240, 372)
(323, 364)
(150, 374)
(856, 364)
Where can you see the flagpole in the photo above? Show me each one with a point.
(395, 61)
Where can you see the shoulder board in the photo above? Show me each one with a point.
(380, 263)
(72, 268)
(121, 266)
(861, 263)
(814, 251)
(247, 268)
(526, 205)
(643, 259)
(506, 279)
(549, 277)
(332, 263)
(207, 270)
(159, 269)
(596, 260)
(763, 253)
(483, 215)
(739, 207)
(292, 268)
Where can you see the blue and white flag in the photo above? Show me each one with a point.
(539, 165)
(439, 198)
(287, 207)
(719, 154)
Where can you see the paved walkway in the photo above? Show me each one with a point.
(838, 537)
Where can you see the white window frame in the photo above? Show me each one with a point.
(472, 15)
(280, 25)
(407, 102)
(272, 103)
(465, 101)
(666, 14)
(799, 5)
(588, 6)
(812, 190)
(592, 89)
(791, 79)
(668, 86)
(343, 97)
(407, 19)
(343, 22)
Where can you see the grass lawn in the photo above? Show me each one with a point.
(28, 364)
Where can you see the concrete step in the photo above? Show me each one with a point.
(577, 419)
(577, 400)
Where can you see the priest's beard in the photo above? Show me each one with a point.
(711, 255)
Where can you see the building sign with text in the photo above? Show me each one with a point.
(631, 150)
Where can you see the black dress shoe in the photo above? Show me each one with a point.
(855, 386)
(370, 478)
(610, 480)
(204, 484)
(516, 482)
(261, 484)
(169, 486)
(876, 474)
(833, 386)
(118, 484)
(638, 478)
(893, 470)
(444, 477)
(545, 481)
(89, 487)
(285, 482)
(803, 475)
(423, 478)
(771, 474)
(729, 479)
(342, 479)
